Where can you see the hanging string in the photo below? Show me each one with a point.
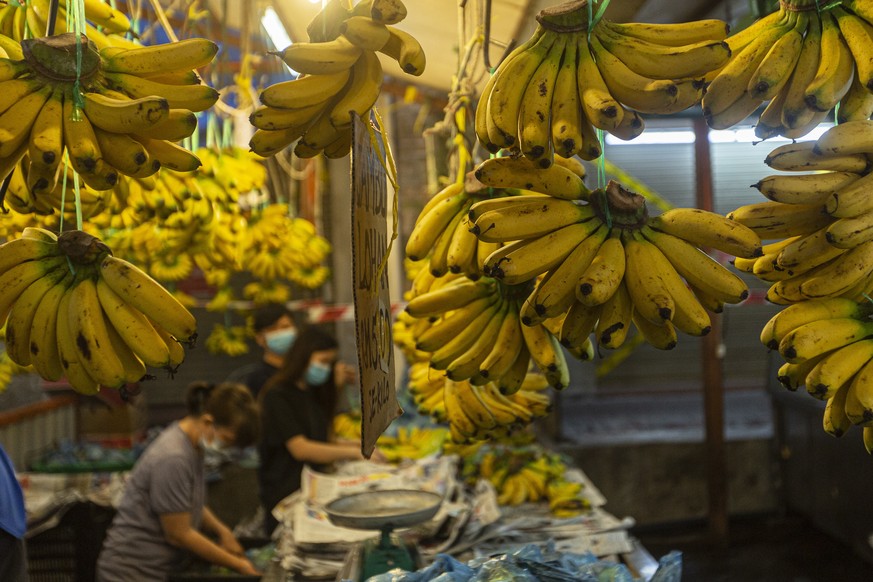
(593, 19)
(77, 15)
(165, 22)
(52, 18)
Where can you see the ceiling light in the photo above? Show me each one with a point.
(275, 29)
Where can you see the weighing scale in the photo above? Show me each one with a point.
(383, 511)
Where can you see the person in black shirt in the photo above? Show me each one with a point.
(275, 330)
(297, 408)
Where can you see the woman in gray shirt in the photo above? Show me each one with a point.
(162, 512)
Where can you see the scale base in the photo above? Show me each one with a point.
(374, 557)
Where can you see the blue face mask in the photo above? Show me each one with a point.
(317, 374)
(281, 340)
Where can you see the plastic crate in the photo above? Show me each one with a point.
(68, 552)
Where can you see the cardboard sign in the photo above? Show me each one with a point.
(372, 303)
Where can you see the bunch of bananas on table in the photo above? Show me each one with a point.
(74, 310)
(804, 59)
(602, 264)
(341, 74)
(229, 340)
(828, 348)
(408, 442)
(105, 25)
(476, 412)
(116, 111)
(523, 473)
(821, 222)
(571, 77)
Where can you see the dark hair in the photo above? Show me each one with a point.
(310, 340)
(267, 315)
(196, 396)
(230, 404)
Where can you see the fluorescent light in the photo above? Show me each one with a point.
(655, 137)
(275, 29)
(743, 135)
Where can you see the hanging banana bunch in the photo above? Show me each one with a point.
(74, 310)
(599, 262)
(828, 348)
(109, 113)
(341, 74)
(804, 59)
(573, 76)
(821, 222)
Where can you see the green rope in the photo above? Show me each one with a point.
(77, 15)
(593, 20)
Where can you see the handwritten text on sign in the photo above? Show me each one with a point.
(372, 302)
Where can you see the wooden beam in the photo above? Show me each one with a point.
(713, 381)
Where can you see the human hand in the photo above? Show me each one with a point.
(378, 456)
(245, 567)
(345, 374)
(230, 544)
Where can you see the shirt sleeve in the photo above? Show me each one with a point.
(172, 485)
(282, 420)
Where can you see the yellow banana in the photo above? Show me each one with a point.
(124, 116)
(851, 139)
(534, 115)
(555, 180)
(133, 327)
(794, 316)
(16, 122)
(557, 292)
(601, 278)
(365, 32)
(506, 348)
(835, 70)
(146, 295)
(537, 217)
(183, 55)
(837, 368)
(795, 111)
(505, 100)
(835, 421)
(321, 58)
(362, 91)
(22, 313)
(305, 92)
(818, 337)
(193, 97)
(46, 144)
(88, 328)
(547, 354)
(74, 371)
(708, 229)
(649, 294)
(535, 256)
(169, 155)
(614, 321)
(662, 337)
(859, 396)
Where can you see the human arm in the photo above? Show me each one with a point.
(307, 450)
(179, 533)
(226, 539)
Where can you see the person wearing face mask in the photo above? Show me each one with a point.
(157, 528)
(275, 332)
(297, 408)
